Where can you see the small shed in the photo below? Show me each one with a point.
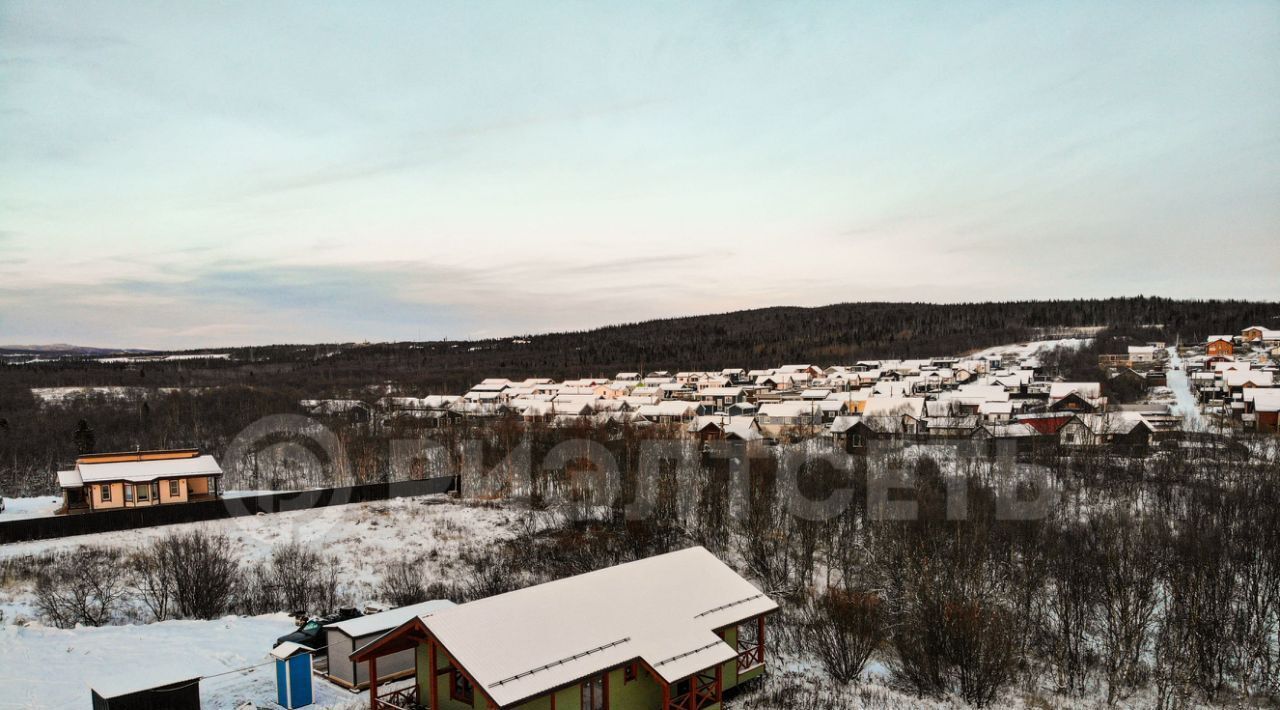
(346, 637)
(293, 674)
(121, 694)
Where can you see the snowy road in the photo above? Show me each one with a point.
(1186, 406)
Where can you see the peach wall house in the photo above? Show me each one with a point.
(138, 479)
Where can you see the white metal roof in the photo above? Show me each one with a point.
(143, 471)
(70, 479)
(663, 609)
(385, 621)
(1264, 400)
(1087, 390)
(289, 649)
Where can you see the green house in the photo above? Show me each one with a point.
(671, 632)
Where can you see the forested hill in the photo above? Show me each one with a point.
(841, 333)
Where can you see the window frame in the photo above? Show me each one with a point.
(175, 488)
(104, 492)
(128, 492)
(468, 692)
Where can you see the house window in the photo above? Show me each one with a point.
(460, 689)
(629, 672)
(106, 494)
(593, 694)
(143, 492)
(174, 489)
(128, 493)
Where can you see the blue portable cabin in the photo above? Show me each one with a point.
(293, 674)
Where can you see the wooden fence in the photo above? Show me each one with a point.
(130, 518)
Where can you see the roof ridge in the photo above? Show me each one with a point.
(686, 654)
(560, 662)
(722, 607)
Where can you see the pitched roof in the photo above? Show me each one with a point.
(1086, 390)
(1264, 400)
(141, 471)
(663, 610)
(390, 619)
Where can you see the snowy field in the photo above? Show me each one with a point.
(55, 668)
(167, 358)
(363, 536)
(39, 506)
(61, 395)
(1025, 350)
(1185, 405)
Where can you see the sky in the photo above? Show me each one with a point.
(181, 175)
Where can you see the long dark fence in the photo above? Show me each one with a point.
(217, 509)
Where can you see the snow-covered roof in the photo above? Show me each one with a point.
(1264, 400)
(1113, 422)
(995, 408)
(385, 621)
(70, 479)
(742, 427)
(289, 649)
(138, 680)
(663, 610)
(669, 408)
(789, 409)
(969, 421)
(1257, 378)
(1005, 431)
(143, 471)
(893, 406)
(842, 424)
(1087, 390)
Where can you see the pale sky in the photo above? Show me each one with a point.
(185, 174)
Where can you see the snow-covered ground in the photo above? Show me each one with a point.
(1185, 405)
(1025, 350)
(39, 506)
(167, 358)
(61, 395)
(362, 536)
(55, 668)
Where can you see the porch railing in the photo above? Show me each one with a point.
(749, 657)
(402, 699)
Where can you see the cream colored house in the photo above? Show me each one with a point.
(138, 479)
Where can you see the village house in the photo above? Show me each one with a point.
(344, 637)
(1122, 430)
(668, 412)
(672, 632)
(718, 399)
(1219, 346)
(775, 417)
(1141, 355)
(1262, 408)
(1075, 397)
(1018, 437)
(720, 427)
(1261, 336)
(138, 479)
